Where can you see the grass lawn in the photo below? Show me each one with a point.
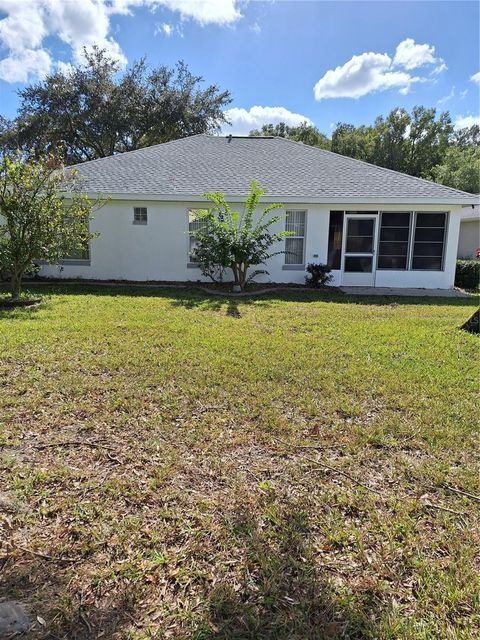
(180, 466)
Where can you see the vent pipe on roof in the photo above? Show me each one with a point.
(229, 137)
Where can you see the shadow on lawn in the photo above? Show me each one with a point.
(194, 298)
(24, 313)
(233, 306)
(37, 582)
(204, 302)
(282, 596)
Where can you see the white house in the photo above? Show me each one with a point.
(373, 226)
(469, 238)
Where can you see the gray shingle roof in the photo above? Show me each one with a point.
(191, 166)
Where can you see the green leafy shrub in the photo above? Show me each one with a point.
(318, 275)
(467, 274)
(228, 239)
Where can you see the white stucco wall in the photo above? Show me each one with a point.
(469, 238)
(159, 250)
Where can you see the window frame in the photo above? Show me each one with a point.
(444, 239)
(411, 239)
(190, 263)
(300, 266)
(411, 228)
(81, 262)
(360, 215)
(140, 221)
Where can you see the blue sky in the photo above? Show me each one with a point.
(284, 60)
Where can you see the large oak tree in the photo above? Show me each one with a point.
(94, 110)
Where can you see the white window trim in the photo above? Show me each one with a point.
(444, 242)
(301, 265)
(138, 221)
(409, 241)
(190, 264)
(78, 262)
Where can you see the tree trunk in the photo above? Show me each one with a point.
(242, 275)
(235, 270)
(15, 285)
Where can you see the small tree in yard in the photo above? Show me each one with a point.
(36, 221)
(227, 239)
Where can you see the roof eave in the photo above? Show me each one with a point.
(182, 197)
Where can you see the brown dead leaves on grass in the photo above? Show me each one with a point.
(153, 488)
(138, 538)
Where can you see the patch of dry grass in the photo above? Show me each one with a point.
(178, 500)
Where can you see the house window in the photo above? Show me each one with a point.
(429, 241)
(82, 254)
(394, 240)
(295, 243)
(140, 215)
(335, 233)
(194, 224)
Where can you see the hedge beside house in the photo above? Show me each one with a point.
(467, 274)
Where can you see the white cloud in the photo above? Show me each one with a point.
(244, 121)
(441, 66)
(256, 28)
(165, 28)
(411, 55)
(466, 121)
(404, 91)
(476, 77)
(23, 65)
(222, 12)
(168, 29)
(447, 97)
(463, 94)
(370, 71)
(23, 27)
(82, 23)
(361, 75)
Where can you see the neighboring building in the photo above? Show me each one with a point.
(373, 226)
(469, 237)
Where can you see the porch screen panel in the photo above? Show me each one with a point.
(429, 241)
(295, 243)
(335, 234)
(394, 239)
(360, 235)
